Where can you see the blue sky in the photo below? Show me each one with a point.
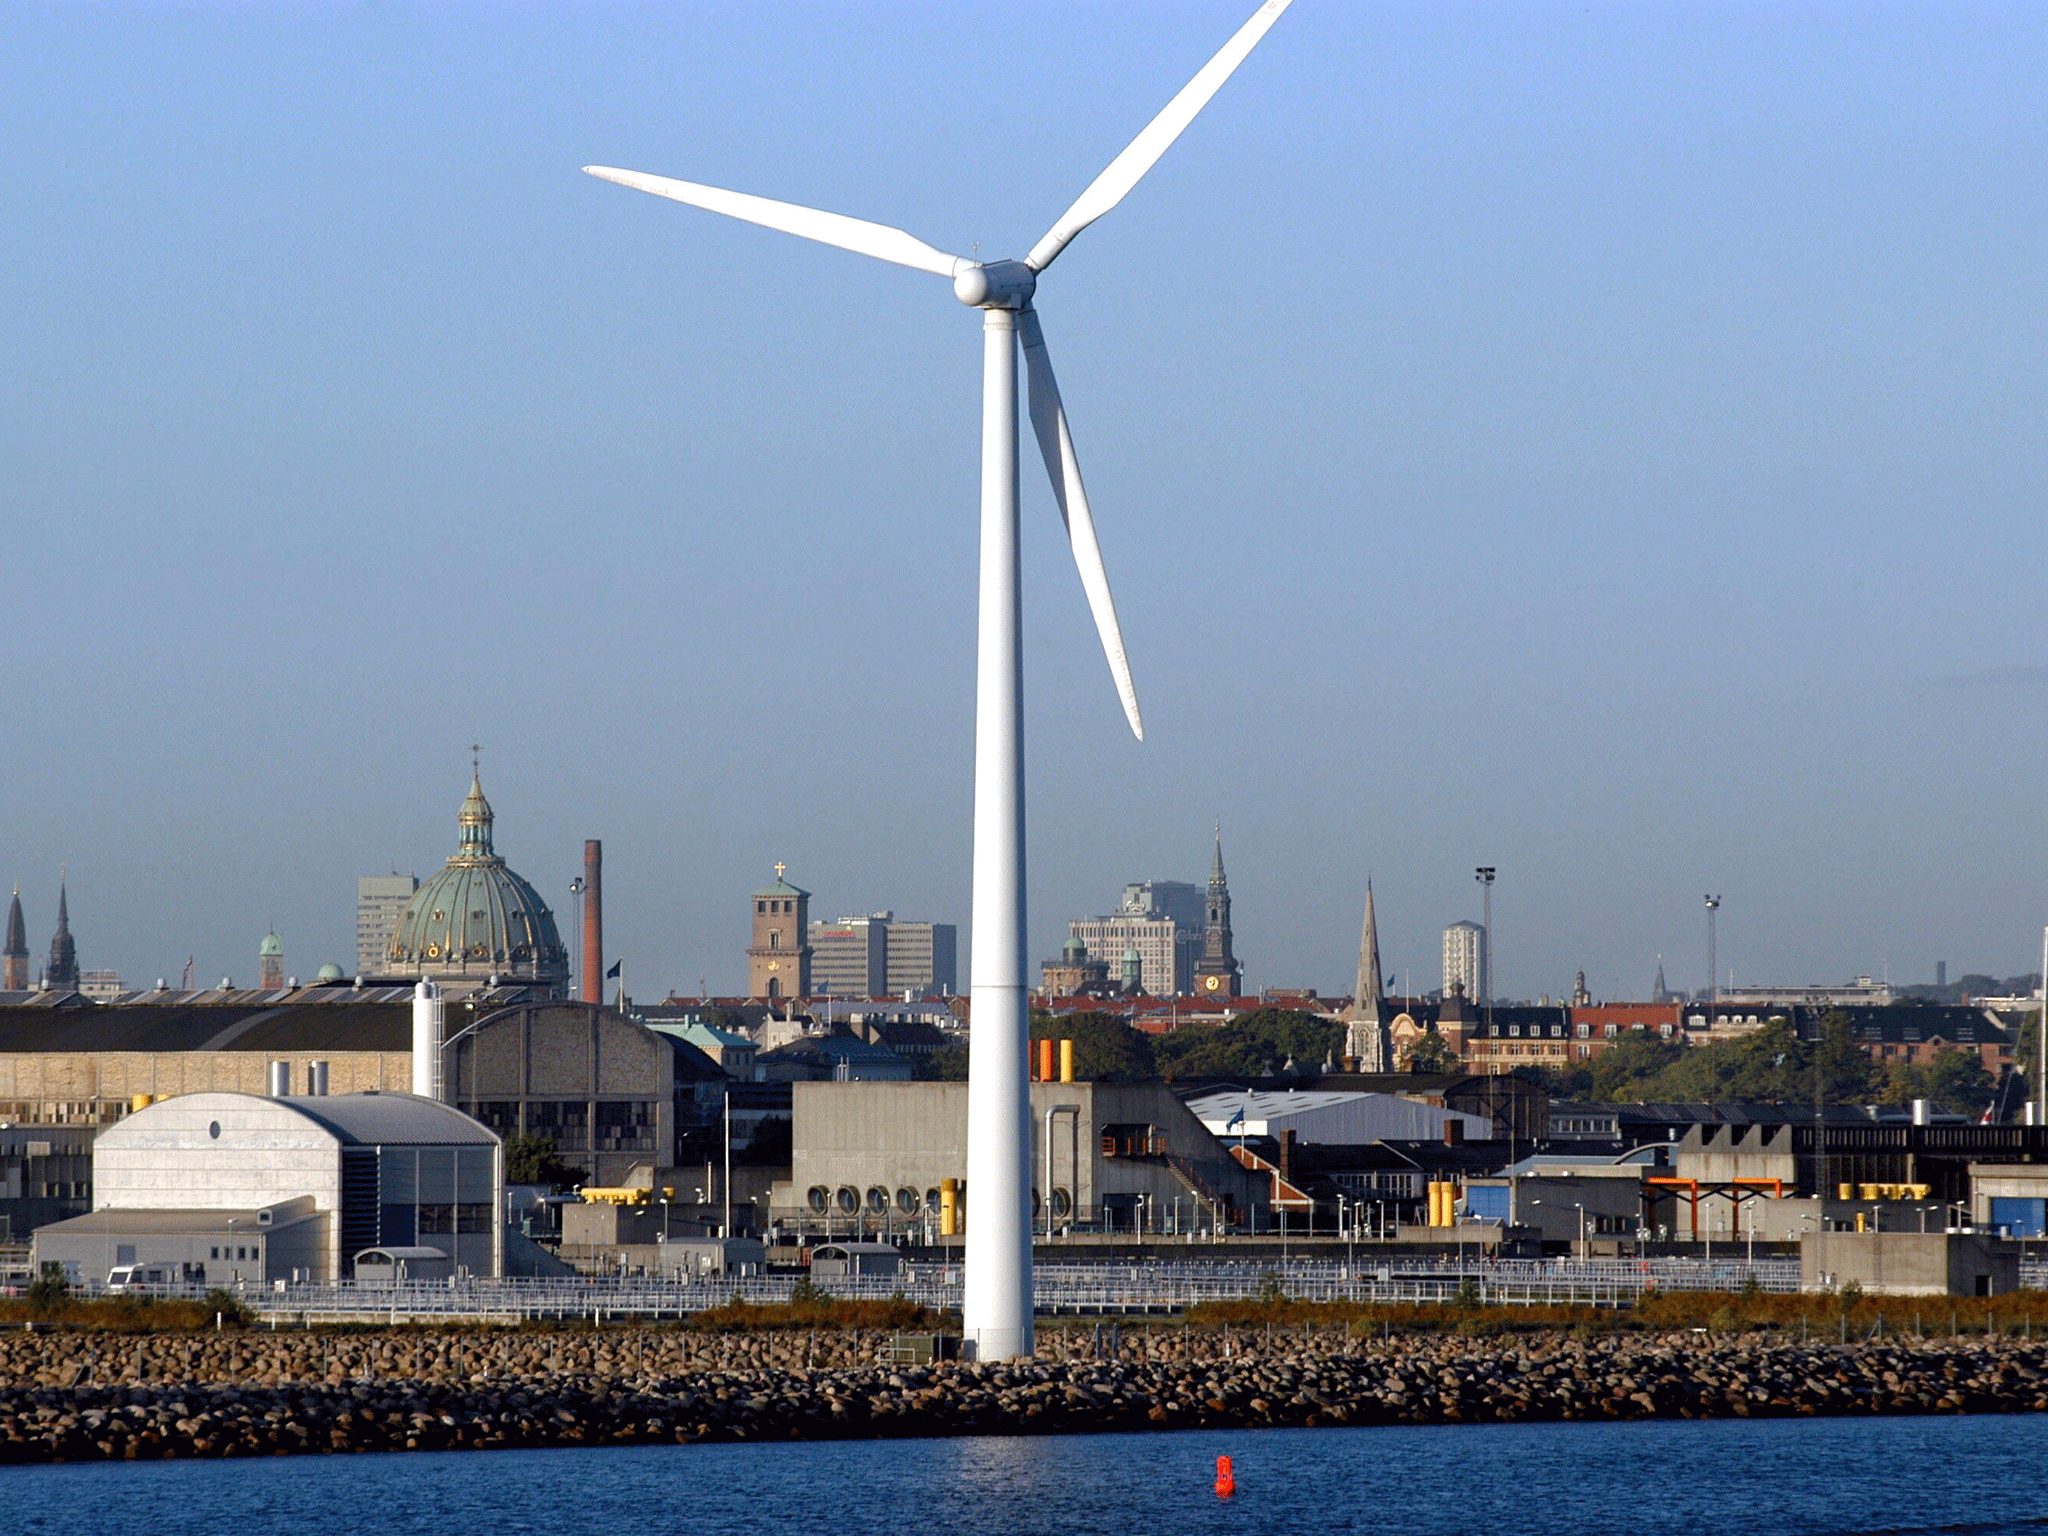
(1603, 441)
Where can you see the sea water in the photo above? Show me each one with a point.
(1738, 1477)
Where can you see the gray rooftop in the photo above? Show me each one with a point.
(373, 1119)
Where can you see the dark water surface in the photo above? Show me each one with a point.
(1752, 1477)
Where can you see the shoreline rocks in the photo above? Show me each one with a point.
(112, 1397)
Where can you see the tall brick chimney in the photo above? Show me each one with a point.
(1287, 1156)
(593, 921)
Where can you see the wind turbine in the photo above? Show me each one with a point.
(997, 1307)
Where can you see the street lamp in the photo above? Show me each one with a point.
(1484, 875)
(1713, 960)
(576, 889)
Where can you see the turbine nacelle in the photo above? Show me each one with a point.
(995, 285)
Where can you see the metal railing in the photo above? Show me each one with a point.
(1069, 1289)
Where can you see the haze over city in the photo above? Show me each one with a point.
(1600, 442)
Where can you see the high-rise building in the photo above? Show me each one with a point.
(923, 959)
(1165, 955)
(882, 955)
(1163, 921)
(270, 962)
(779, 958)
(379, 901)
(1465, 957)
(850, 957)
(63, 971)
(14, 956)
(1217, 972)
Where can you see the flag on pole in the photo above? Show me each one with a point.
(608, 975)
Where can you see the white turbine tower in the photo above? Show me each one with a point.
(997, 1309)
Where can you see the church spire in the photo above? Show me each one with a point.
(1217, 972)
(1365, 1029)
(1372, 987)
(1660, 993)
(14, 956)
(63, 971)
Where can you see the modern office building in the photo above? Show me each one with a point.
(850, 957)
(881, 955)
(923, 959)
(1465, 959)
(380, 899)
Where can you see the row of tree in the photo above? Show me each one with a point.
(1770, 1065)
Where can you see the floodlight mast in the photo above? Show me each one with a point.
(997, 1306)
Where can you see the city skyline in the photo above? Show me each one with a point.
(1612, 557)
(1414, 963)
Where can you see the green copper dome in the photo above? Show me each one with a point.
(272, 948)
(476, 918)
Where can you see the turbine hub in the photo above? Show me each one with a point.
(996, 285)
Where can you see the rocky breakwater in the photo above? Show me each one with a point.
(84, 1398)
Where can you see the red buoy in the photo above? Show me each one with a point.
(1226, 1484)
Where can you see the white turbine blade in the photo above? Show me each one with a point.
(1056, 442)
(1143, 152)
(877, 240)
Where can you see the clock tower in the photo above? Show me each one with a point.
(1217, 973)
(779, 958)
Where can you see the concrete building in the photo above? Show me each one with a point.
(237, 1247)
(2010, 1199)
(1910, 1263)
(380, 901)
(1465, 959)
(877, 1158)
(779, 956)
(335, 1175)
(477, 924)
(610, 1092)
(1567, 1200)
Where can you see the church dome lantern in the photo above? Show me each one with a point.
(477, 919)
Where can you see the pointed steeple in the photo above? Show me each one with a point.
(1365, 1043)
(14, 956)
(63, 971)
(1217, 972)
(1660, 993)
(1372, 987)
